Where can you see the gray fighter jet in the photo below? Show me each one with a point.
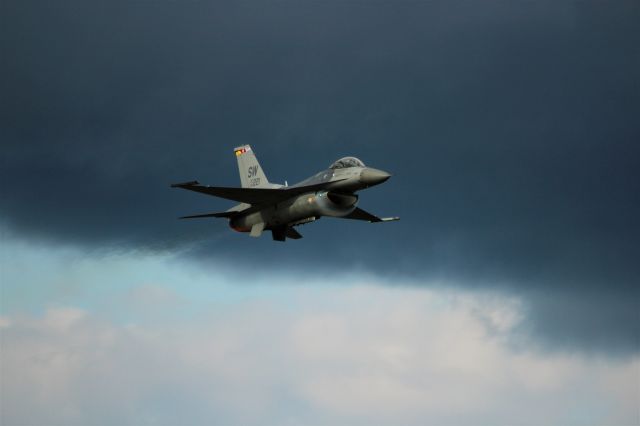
(278, 208)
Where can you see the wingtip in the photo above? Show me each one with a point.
(390, 219)
(182, 184)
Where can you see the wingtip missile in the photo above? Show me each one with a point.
(389, 219)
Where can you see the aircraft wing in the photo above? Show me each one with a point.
(252, 195)
(359, 214)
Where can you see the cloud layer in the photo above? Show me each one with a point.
(356, 355)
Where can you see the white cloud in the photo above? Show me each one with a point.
(338, 355)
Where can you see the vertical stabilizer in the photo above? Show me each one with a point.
(251, 174)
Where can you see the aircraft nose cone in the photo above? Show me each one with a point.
(371, 176)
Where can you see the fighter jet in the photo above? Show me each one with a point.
(279, 208)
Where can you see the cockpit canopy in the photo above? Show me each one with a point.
(346, 162)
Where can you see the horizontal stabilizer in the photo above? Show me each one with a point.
(252, 195)
(359, 214)
(220, 214)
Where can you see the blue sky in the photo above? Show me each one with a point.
(507, 294)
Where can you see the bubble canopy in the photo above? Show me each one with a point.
(346, 162)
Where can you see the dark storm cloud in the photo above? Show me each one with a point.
(511, 129)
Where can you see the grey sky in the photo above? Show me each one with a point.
(511, 129)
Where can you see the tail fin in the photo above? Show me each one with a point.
(251, 174)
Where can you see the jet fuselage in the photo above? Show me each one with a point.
(279, 208)
(337, 199)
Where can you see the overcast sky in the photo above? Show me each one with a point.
(509, 292)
